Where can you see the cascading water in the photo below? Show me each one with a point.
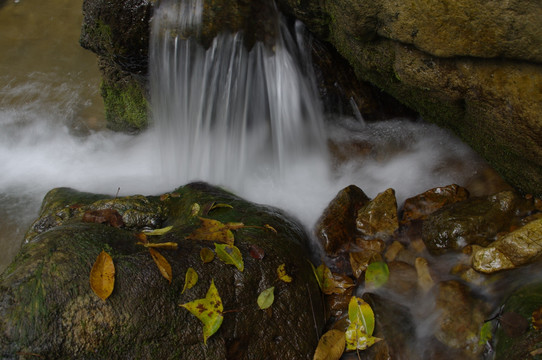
(226, 111)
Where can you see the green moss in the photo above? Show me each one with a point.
(125, 106)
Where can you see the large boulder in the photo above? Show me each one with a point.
(474, 67)
(48, 309)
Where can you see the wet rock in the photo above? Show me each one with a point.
(379, 216)
(461, 317)
(403, 279)
(517, 248)
(336, 228)
(474, 221)
(421, 206)
(475, 69)
(525, 343)
(47, 307)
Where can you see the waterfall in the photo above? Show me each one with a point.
(224, 111)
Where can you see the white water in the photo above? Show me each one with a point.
(46, 107)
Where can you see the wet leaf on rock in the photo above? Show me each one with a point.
(281, 272)
(256, 252)
(266, 298)
(485, 333)
(218, 206)
(212, 230)
(190, 279)
(162, 264)
(230, 254)
(537, 318)
(332, 283)
(207, 255)
(102, 276)
(331, 346)
(362, 321)
(195, 209)
(376, 275)
(208, 310)
(269, 227)
(104, 216)
(157, 232)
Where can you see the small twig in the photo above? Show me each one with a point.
(313, 316)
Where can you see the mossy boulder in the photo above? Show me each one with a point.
(47, 307)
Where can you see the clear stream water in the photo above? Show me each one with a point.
(52, 126)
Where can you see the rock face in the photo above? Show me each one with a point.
(47, 307)
(472, 67)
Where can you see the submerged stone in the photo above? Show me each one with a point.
(47, 307)
(474, 221)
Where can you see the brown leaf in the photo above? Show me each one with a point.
(334, 283)
(256, 252)
(162, 263)
(104, 216)
(142, 238)
(102, 276)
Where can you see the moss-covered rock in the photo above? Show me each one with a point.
(47, 307)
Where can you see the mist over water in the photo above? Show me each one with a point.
(51, 131)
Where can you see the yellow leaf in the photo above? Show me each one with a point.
(195, 209)
(281, 272)
(317, 274)
(266, 298)
(216, 206)
(157, 232)
(331, 346)
(102, 275)
(190, 279)
(356, 339)
(536, 318)
(212, 230)
(164, 245)
(208, 310)
(207, 255)
(361, 313)
(230, 254)
(162, 263)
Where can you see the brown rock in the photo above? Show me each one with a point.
(379, 217)
(336, 228)
(422, 205)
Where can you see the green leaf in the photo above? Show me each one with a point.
(157, 232)
(485, 333)
(207, 255)
(266, 298)
(230, 254)
(190, 279)
(376, 275)
(359, 312)
(208, 310)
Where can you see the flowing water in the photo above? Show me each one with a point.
(259, 131)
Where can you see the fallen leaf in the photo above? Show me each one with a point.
(256, 252)
(267, 226)
(190, 279)
(360, 311)
(208, 310)
(360, 260)
(104, 216)
(230, 254)
(142, 238)
(333, 283)
(235, 225)
(162, 263)
(212, 230)
(331, 346)
(362, 322)
(207, 255)
(157, 232)
(485, 333)
(164, 245)
(376, 275)
(102, 275)
(195, 209)
(537, 318)
(164, 197)
(317, 274)
(217, 206)
(281, 272)
(266, 298)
